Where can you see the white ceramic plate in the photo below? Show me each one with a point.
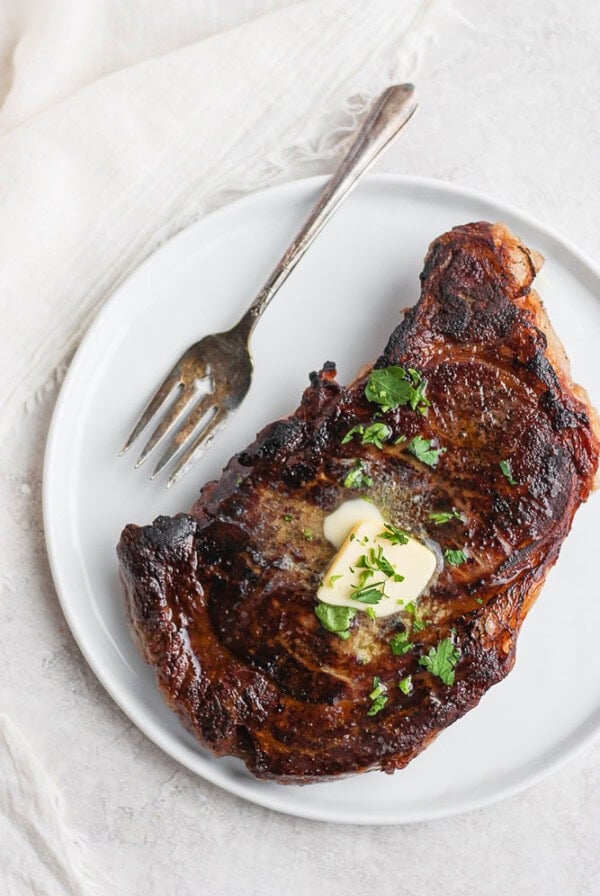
(341, 304)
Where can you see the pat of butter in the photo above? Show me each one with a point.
(413, 560)
(338, 525)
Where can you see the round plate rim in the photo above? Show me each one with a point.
(153, 731)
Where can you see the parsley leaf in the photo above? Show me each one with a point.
(388, 387)
(417, 623)
(441, 660)
(393, 534)
(455, 558)
(369, 594)
(307, 534)
(405, 684)
(375, 434)
(378, 688)
(444, 517)
(357, 478)
(424, 451)
(333, 579)
(384, 566)
(366, 592)
(393, 386)
(400, 644)
(356, 430)
(375, 560)
(418, 402)
(377, 705)
(287, 517)
(506, 467)
(377, 697)
(335, 619)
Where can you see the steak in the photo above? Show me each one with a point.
(222, 599)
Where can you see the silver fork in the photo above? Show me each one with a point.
(223, 360)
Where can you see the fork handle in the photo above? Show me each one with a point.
(387, 117)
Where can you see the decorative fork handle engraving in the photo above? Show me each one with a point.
(387, 117)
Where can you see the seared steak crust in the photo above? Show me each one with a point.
(221, 600)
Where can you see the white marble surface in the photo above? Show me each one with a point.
(509, 106)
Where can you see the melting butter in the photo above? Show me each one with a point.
(413, 561)
(338, 525)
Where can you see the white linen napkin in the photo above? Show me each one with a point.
(39, 853)
(121, 123)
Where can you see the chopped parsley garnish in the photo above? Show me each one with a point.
(374, 560)
(335, 619)
(418, 401)
(455, 558)
(506, 467)
(400, 439)
(444, 517)
(441, 660)
(307, 534)
(378, 688)
(417, 623)
(369, 563)
(369, 594)
(377, 697)
(391, 387)
(287, 517)
(424, 451)
(371, 613)
(375, 434)
(479, 600)
(405, 684)
(357, 478)
(333, 579)
(356, 430)
(393, 534)
(400, 644)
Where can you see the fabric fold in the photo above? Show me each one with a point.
(96, 181)
(39, 852)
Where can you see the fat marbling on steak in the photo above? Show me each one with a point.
(222, 599)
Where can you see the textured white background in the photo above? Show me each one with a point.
(510, 106)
